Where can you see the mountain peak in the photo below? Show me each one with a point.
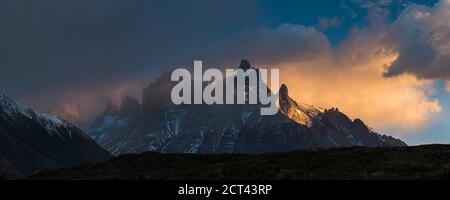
(227, 129)
(245, 64)
(129, 104)
(111, 107)
(4, 97)
(283, 90)
(284, 98)
(291, 108)
(12, 108)
(6, 101)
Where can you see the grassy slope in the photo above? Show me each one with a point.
(420, 162)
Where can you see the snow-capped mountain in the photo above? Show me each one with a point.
(158, 125)
(31, 141)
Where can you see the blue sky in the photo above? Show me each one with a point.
(438, 129)
(308, 13)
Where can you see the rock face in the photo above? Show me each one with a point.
(30, 141)
(163, 127)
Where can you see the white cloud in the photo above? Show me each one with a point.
(421, 36)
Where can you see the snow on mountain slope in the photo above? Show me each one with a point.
(30, 141)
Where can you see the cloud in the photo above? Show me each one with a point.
(83, 104)
(349, 77)
(272, 46)
(66, 111)
(59, 53)
(421, 37)
(359, 90)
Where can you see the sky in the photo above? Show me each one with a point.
(386, 62)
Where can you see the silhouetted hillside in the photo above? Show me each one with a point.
(420, 162)
(32, 141)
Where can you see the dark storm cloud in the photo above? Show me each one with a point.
(268, 46)
(421, 36)
(51, 47)
(93, 40)
(59, 42)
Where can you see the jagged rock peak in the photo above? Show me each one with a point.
(187, 128)
(9, 105)
(2, 95)
(129, 104)
(5, 98)
(111, 107)
(284, 99)
(245, 64)
(283, 92)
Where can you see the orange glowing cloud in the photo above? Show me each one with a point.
(80, 106)
(349, 76)
(66, 111)
(362, 92)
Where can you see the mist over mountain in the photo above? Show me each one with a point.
(158, 125)
(31, 141)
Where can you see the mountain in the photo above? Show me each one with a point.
(352, 163)
(31, 141)
(158, 125)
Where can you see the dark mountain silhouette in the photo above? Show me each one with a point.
(30, 142)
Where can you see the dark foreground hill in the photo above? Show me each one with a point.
(419, 162)
(32, 141)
